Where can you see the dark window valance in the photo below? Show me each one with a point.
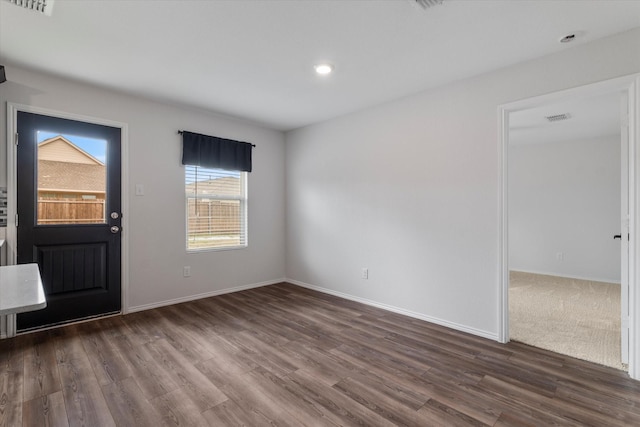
(214, 152)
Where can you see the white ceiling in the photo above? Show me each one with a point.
(592, 117)
(254, 59)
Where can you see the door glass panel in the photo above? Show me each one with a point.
(71, 179)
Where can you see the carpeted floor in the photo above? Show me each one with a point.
(579, 318)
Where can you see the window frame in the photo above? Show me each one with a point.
(243, 211)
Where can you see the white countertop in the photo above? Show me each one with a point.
(21, 289)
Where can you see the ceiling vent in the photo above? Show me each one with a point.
(43, 6)
(558, 117)
(426, 4)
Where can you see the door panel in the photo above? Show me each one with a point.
(73, 268)
(68, 181)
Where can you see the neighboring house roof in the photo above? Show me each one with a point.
(228, 186)
(66, 176)
(63, 166)
(60, 149)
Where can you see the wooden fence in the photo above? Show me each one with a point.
(214, 217)
(67, 211)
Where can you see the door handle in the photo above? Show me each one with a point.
(618, 236)
(115, 229)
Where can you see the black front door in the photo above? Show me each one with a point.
(69, 211)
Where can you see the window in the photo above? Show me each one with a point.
(71, 179)
(216, 201)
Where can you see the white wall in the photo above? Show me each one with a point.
(410, 189)
(157, 219)
(564, 197)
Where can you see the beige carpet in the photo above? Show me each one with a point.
(578, 318)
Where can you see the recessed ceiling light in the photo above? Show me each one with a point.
(323, 69)
(568, 38)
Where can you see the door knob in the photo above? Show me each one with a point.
(115, 215)
(115, 229)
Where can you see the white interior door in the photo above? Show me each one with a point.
(624, 229)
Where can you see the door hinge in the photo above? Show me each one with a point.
(17, 136)
(16, 220)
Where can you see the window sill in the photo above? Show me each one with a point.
(225, 248)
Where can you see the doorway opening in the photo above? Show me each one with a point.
(566, 204)
(568, 187)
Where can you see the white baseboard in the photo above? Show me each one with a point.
(202, 295)
(150, 306)
(546, 273)
(415, 315)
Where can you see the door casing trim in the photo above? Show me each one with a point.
(12, 123)
(631, 85)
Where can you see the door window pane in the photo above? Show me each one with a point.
(71, 179)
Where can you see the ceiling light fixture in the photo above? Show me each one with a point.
(323, 69)
(568, 38)
(42, 6)
(426, 4)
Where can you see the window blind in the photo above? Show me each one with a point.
(216, 202)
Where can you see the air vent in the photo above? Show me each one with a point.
(558, 117)
(426, 4)
(42, 6)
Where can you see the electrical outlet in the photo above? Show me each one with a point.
(186, 271)
(365, 273)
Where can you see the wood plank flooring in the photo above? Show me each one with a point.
(287, 356)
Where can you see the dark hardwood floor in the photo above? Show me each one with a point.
(284, 355)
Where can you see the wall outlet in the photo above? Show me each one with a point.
(365, 273)
(186, 271)
(560, 256)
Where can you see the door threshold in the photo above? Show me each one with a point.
(68, 322)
